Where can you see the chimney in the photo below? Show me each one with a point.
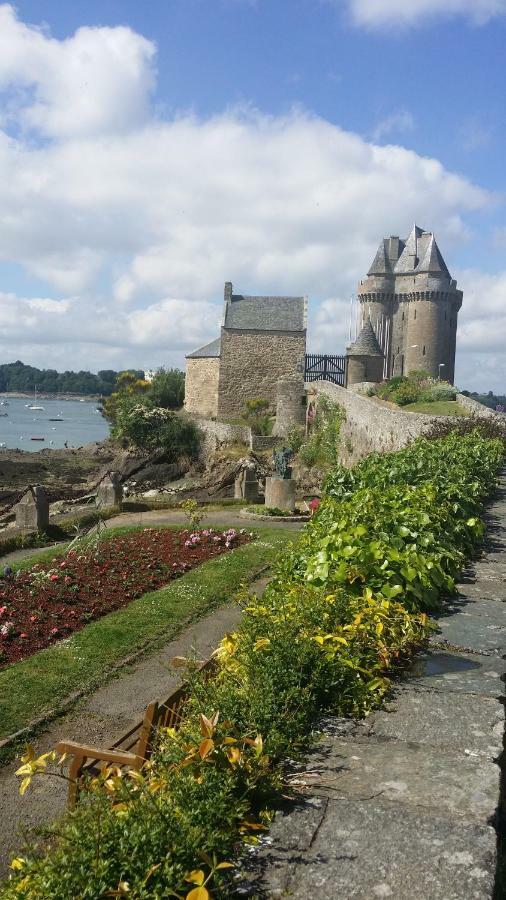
(228, 292)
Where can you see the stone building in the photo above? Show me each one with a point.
(261, 339)
(365, 357)
(413, 304)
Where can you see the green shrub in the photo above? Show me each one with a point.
(154, 428)
(322, 447)
(344, 608)
(438, 390)
(256, 414)
(260, 510)
(405, 393)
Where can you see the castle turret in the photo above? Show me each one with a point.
(364, 357)
(413, 303)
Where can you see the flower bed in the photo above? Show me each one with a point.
(44, 604)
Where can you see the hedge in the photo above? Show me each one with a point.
(347, 605)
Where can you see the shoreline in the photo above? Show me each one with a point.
(23, 395)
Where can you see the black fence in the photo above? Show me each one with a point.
(327, 368)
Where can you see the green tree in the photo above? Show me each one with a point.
(167, 389)
(149, 427)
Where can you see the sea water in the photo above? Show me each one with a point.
(81, 423)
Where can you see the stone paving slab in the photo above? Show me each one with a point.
(457, 672)
(473, 633)
(459, 721)
(405, 773)
(492, 589)
(362, 851)
(492, 608)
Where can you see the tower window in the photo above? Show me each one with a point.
(415, 313)
(403, 317)
(424, 349)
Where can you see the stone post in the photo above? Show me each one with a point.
(280, 492)
(109, 491)
(32, 511)
(290, 404)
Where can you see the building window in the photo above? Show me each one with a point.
(415, 313)
(403, 317)
(424, 349)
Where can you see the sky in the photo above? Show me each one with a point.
(149, 152)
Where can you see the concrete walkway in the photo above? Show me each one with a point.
(404, 804)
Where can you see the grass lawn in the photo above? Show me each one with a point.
(41, 682)
(437, 408)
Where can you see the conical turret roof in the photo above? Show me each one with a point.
(366, 343)
(381, 264)
(432, 261)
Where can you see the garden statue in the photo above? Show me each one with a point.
(281, 459)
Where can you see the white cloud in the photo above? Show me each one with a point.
(137, 222)
(398, 122)
(401, 13)
(97, 81)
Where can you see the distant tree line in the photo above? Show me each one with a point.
(18, 377)
(489, 399)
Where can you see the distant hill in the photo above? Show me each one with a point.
(18, 377)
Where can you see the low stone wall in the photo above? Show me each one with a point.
(262, 441)
(219, 434)
(477, 409)
(371, 427)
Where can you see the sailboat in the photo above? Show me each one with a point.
(34, 404)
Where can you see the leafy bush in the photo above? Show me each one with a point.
(407, 392)
(345, 607)
(438, 390)
(256, 414)
(322, 447)
(154, 428)
(260, 510)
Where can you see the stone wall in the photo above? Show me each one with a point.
(219, 434)
(477, 409)
(201, 386)
(371, 427)
(252, 362)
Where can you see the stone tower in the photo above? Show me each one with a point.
(413, 304)
(365, 357)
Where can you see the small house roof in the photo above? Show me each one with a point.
(208, 351)
(265, 313)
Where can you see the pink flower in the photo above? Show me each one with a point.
(53, 631)
(63, 565)
(23, 635)
(54, 578)
(314, 504)
(33, 618)
(2, 610)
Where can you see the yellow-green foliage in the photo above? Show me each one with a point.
(345, 607)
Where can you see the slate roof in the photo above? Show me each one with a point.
(366, 343)
(266, 313)
(208, 351)
(418, 253)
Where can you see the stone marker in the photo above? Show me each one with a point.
(110, 491)
(246, 486)
(32, 511)
(280, 492)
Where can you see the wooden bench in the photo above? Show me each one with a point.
(133, 748)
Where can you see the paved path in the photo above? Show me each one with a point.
(100, 717)
(404, 804)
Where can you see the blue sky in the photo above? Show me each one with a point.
(152, 151)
